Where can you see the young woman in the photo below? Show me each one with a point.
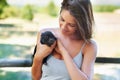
(73, 55)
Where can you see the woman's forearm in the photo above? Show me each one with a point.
(74, 71)
(36, 69)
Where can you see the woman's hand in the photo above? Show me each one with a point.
(43, 50)
(60, 48)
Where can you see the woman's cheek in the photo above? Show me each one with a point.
(60, 24)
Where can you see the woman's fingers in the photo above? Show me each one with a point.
(53, 45)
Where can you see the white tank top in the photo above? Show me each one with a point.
(55, 69)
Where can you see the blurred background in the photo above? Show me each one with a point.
(20, 20)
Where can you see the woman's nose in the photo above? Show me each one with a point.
(64, 26)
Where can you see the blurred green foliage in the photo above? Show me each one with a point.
(27, 12)
(51, 8)
(3, 4)
(105, 8)
(10, 11)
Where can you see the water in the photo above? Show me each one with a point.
(107, 72)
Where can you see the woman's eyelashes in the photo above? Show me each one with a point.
(71, 25)
(62, 19)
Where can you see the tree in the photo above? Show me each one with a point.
(52, 9)
(27, 12)
(3, 4)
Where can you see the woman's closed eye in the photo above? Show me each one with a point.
(62, 19)
(72, 25)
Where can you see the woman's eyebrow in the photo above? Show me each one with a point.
(69, 23)
(61, 17)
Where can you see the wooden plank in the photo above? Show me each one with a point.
(28, 62)
(15, 62)
(107, 60)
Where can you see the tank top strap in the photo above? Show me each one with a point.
(83, 46)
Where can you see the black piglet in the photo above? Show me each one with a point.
(46, 38)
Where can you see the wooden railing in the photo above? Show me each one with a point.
(28, 62)
(15, 62)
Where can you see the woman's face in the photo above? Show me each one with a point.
(67, 23)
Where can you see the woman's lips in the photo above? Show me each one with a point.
(64, 31)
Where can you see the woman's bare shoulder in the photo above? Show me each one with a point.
(92, 43)
(91, 47)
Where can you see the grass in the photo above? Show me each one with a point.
(105, 8)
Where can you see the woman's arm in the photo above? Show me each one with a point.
(36, 69)
(89, 52)
(41, 52)
(37, 64)
(86, 71)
